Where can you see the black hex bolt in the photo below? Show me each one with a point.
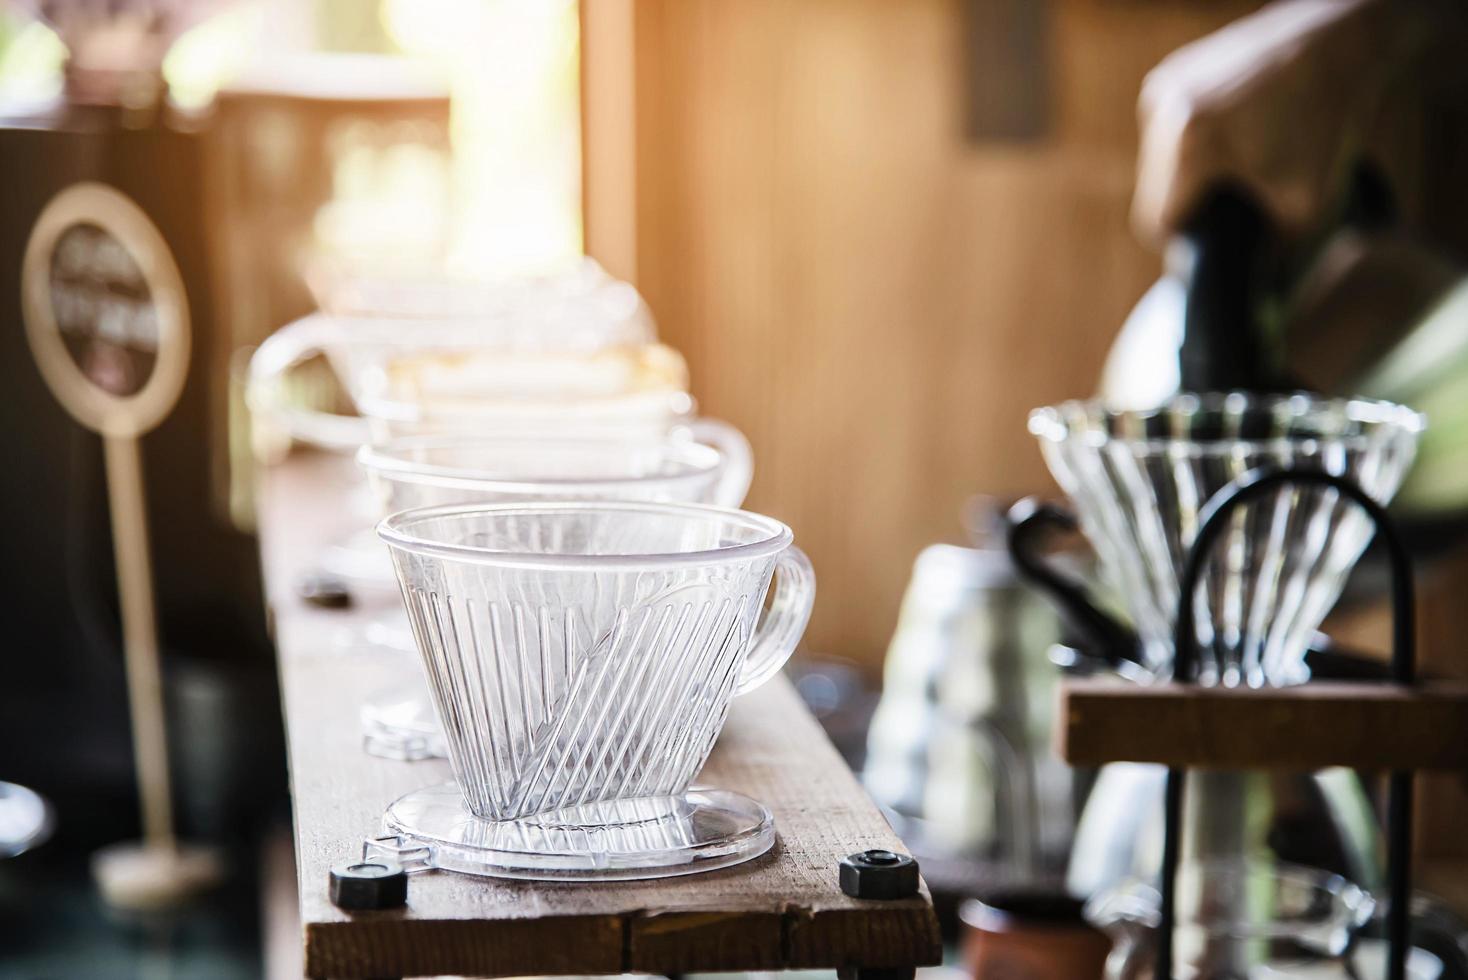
(362, 885)
(879, 874)
(326, 591)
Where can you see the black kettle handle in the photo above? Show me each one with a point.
(1230, 258)
(1223, 256)
(1031, 522)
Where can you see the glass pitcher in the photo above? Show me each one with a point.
(1239, 921)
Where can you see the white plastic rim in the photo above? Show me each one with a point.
(395, 459)
(578, 304)
(398, 532)
(1059, 423)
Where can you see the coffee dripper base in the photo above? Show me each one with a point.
(398, 722)
(700, 829)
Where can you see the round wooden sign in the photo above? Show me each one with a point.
(105, 311)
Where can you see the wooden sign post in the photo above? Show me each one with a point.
(108, 324)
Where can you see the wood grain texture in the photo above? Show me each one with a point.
(875, 299)
(608, 135)
(782, 910)
(1367, 726)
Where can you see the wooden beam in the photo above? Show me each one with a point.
(1368, 726)
(609, 134)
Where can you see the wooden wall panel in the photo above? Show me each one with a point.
(609, 135)
(875, 300)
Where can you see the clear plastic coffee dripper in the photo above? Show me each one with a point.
(574, 352)
(426, 471)
(569, 354)
(582, 657)
(1139, 482)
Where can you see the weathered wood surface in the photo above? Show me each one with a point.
(1368, 726)
(783, 910)
(873, 298)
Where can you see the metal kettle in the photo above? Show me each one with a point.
(957, 751)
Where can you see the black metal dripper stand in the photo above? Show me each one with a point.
(1214, 520)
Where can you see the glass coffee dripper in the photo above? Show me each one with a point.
(1138, 481)
(425, 471)
(1238, 921)
(582, 657)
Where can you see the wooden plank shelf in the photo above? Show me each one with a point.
(784, 910)
(1368, 726)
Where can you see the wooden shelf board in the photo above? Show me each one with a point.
(782, 911)
(1368, 726)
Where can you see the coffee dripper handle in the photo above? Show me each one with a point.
(738, 459)
(784, 622)
(1030, 523)
(283, 350)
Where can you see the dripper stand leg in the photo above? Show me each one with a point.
(1213, 520)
